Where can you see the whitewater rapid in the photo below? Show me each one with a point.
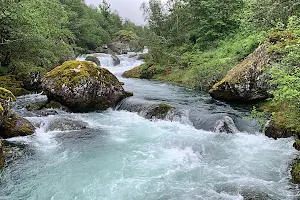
(123, 156)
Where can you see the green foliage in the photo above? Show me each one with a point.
(124, 35)
(46, 33)
(261, 116)
(264, 14)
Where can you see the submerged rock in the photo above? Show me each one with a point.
(93, 59)
(226, 125)
(83, 87)
(64, 124)
(158, 111)
(14, 125)
(45, 105)
(247, 81)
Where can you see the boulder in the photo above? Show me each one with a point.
(82, 87)
(14, 126)
(296, 144)
(1, 155)
(158, 111)
(33, 81)
(32, 78)
(45, 105)
(225, 125)
(275, 130)
(119, 47)
(93, 59)
(247, 81)
(116, 60)
(64, 124)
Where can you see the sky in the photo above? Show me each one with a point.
(126, 8)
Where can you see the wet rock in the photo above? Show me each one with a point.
(32, 78)
(247, 81)
(38, 106)
(158, 111)
(45, 112)
(93, 59)
(226, 125)
(275, 131)
(116, 60)
(66, 125)
(296, 144)
(83, 87)
(296, 172)
(1, 155)
(14, 125)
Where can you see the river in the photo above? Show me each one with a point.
(120, 155)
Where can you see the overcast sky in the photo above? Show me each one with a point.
(126, 8)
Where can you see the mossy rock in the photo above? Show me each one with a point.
(31, 78)
(284, 121)
(145, 71)
(133, 73)
(6, 95)
(14, 126)
(248, 81)
(296, 172)
(83, 87)
(296, 144)
(93, 59)
(159, 111)
(11, 84)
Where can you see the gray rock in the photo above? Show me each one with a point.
(116, 60)
(93, 59)
(83, 87)
(247, 81)
(64, 124)
(225, 125)
(14, 125)
(275, 131)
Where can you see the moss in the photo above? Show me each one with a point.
(93, 59)
(25, 129)
(260, 58)
(133, 73)
(74, 72)
(296, 172)
(160, 111)
(6, 94)
(10, 83)
(283, 115)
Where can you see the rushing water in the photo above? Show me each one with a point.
(123, 156)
